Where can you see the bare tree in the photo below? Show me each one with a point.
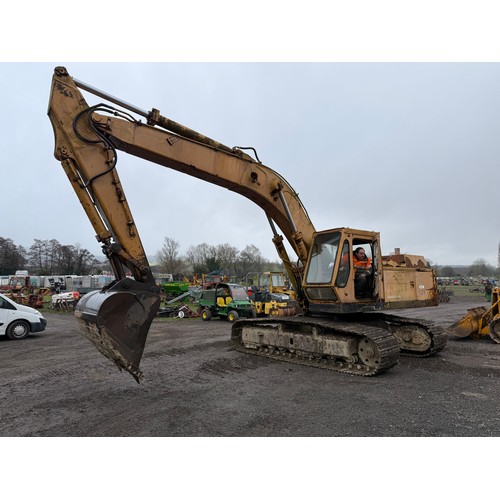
(66, 259)
(85, 261)
(481, 268)
(49, 257)
(212, 260)
(204, 258)
(197, 256)
(227, 257)
(250, 259)
(38, 259)
(53, 253)
(11, 256)
(447, 271)
(168, 256)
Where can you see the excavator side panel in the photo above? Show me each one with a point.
(409, 287)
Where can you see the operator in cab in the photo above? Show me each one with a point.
(363, 269)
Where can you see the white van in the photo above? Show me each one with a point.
(18, 321)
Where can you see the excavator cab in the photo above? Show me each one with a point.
(332, 281)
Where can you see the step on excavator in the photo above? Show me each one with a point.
(343, 326)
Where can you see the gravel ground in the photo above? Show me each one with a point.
(56, 384)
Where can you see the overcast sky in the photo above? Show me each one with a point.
(407, 149)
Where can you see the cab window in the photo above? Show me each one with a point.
(6, 305)
(324, 253)
(345, 266)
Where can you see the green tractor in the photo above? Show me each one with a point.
(226, 301)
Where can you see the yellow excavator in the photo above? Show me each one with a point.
(343, 326)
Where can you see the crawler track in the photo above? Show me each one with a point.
(346, 347)
(416, 337)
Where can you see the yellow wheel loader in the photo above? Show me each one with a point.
(480, 321)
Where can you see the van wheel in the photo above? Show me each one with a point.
(18, 330)
(233, 316)
(206, 315)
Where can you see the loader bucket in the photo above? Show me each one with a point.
(469, 324)
(117, 322)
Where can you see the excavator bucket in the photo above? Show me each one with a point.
(117, 322)
(470, 324)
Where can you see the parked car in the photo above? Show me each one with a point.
(18, 321)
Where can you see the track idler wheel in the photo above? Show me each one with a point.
(117, 320)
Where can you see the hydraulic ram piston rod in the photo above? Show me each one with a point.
(110, 98)
(155, 118)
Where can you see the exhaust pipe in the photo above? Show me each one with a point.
(117, 320)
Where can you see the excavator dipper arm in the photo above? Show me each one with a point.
(116, 319)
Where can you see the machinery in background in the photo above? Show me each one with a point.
(270, 294)
(479, 321)
(227, 301)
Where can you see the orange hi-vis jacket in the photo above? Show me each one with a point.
(361, 264)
